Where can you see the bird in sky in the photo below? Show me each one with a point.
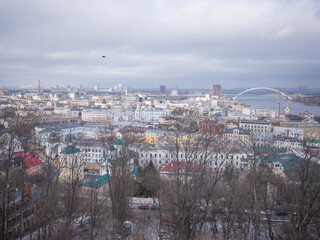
(104, 56)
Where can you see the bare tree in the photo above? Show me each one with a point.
(119, 165)
(72, 172)
(301, 192)
(189, 191)
(48, 203)
(16, 132)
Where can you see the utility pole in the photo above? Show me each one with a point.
(278, 107)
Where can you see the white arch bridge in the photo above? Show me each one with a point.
(264, 88)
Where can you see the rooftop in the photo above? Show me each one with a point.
(70, 150)
(30, 160)
(255, 122)
(97, 181)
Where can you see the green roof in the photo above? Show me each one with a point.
(313, 140)
(288, 161)
(134, 171)
(70, 150)
(118, 142)
(231, 121)
(97, 181)
(270, 150)
(112, 148)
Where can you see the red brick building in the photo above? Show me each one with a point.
(210, 126)
(31, 162)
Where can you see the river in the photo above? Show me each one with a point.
(270, 101)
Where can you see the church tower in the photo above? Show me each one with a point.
(287, 110)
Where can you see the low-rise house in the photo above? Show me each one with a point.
(92, 151)
(260, 126)
(71, 164)
(288, 132)
(238, 134)
(151, 114)
(210, 126)
(96, 115)
(231, 124)
(20, 208)
(285, 142)
(170, 170)
(152, 136)
(216, 162)
(311, 131)
(277, 168)
(31, 162)
(61, 132)
(313, 142)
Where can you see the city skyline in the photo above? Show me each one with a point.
(192, 44)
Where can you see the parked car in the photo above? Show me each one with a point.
(165, 219)
(144, 207)
(210, 218)
(171, 224)
(230, 210)
(266, 212)
(131, 206)
(249, 211)
(154, 207)
(281, 213)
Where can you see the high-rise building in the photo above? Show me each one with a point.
(163, 89)
(119, 87)
(216, 90)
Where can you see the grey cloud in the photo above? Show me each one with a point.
(150, 42)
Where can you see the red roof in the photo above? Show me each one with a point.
(30, 160)
(172, 166)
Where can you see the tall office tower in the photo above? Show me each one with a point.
(39, 87)
(216, 90)
(163, 89)
(119, 87)
(96, 88)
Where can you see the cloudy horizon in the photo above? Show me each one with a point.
(190, 44)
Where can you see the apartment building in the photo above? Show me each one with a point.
(256, 126)
(96, 115)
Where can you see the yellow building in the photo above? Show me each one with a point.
(71, 164)
(311, 131)
(152, 136)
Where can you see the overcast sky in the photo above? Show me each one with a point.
(189, 44)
